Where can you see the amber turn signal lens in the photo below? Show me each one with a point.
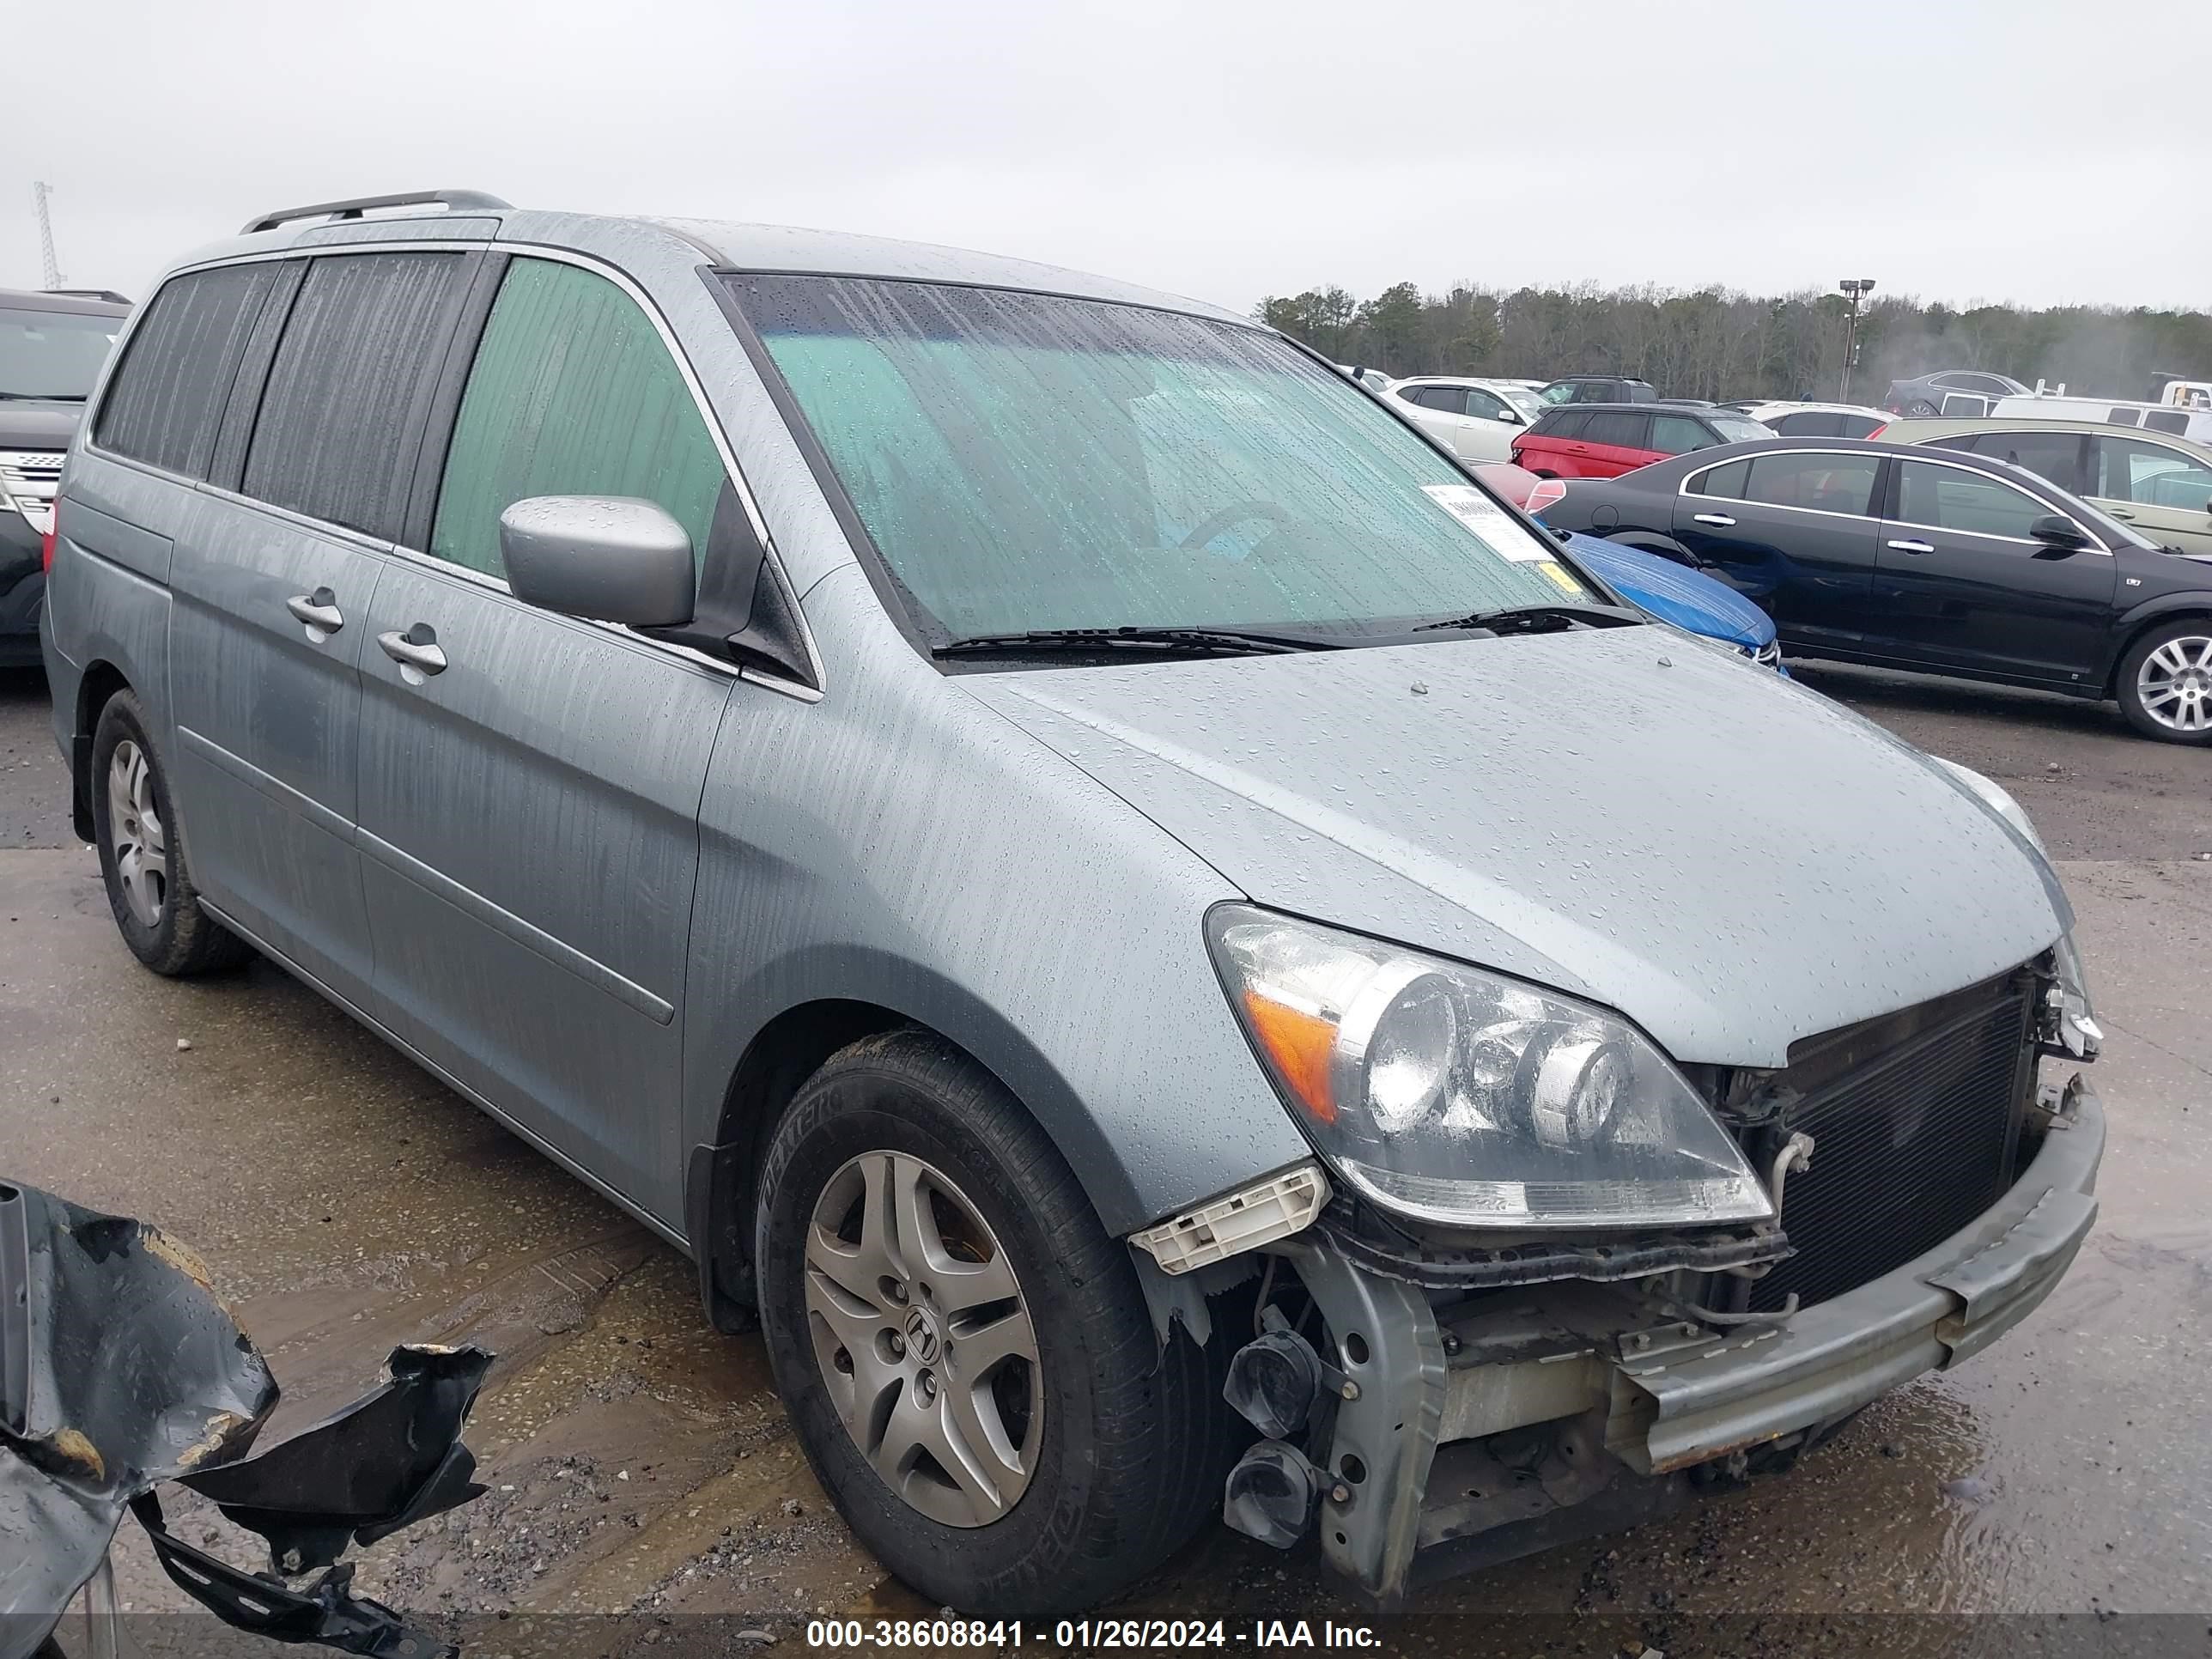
(1299, 1043)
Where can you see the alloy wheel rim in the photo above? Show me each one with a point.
(2174, 684)
(135, 828)
(924, 1339)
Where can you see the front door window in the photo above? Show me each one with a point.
(572, 394)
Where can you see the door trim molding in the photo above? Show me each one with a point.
(275, 788)
(613, 1195)
(470, 903)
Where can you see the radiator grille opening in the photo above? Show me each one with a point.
(1915, 1120)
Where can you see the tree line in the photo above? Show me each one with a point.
(1721, 344)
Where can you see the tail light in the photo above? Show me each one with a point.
(1876, 433)
(1548, 492)
(47, 541)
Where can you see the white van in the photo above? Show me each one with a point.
(2194, 424)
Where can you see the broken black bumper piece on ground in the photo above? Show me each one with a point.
(120, 1369)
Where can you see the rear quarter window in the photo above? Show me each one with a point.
(168, 395)
(1724, 482)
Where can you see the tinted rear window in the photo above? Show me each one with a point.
(167, 399)
(1619, 428)
(351, 383)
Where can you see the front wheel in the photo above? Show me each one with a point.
(966, 1355)
(2165, 684)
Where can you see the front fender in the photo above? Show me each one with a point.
(907, 990)
(901, 845)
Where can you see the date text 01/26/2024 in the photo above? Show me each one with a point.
(1085, 1634)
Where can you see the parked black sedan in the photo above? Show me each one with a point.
(1941, 563)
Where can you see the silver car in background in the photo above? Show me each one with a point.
(1077, 864)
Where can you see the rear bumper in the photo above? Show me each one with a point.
(1497, 1425)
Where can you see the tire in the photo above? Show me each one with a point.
(141, 852)
(2165, 682)
(1122, 1447)
(1921, 407)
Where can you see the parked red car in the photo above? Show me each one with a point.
(1603, 440)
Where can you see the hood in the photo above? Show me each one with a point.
(1674, 593)
(1733, 861)
(38, 425)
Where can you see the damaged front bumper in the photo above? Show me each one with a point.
(1462, 1431)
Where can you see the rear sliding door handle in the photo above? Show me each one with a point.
(1714, 518)
(319, 610)
(1913, 547)
(415, 651)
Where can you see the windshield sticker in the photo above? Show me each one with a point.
(1487, 519)
(1566, 584)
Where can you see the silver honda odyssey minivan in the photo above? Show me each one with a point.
(1177, 955)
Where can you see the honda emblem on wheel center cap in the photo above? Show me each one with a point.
(921, 1336)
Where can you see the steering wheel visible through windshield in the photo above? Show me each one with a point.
(1026, 462)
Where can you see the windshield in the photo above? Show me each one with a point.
(1736, 429)
(1526, 402)
(1024, 462)
(53, 354)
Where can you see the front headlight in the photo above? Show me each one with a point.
(1462, 1098)
(2077, 1020)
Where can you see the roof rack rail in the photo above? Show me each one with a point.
(453, 199)
(106, 293)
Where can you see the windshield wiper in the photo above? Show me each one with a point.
(1126, 639)
(45, 396)
(1539, 619)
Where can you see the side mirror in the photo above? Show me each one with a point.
(611, 558)
(2057, 532)
(1510, 418)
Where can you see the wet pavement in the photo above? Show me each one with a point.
(642, 1470)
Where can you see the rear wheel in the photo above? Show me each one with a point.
(965, 1353)
(2165, 682)
(141, 852)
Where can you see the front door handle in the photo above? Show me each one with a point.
(2121, 513)
(1914, 547)
(416, 652)
(319, 610)
(1714, 518)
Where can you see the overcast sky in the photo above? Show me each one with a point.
(2041, 151)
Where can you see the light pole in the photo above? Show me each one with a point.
(1858, 287)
